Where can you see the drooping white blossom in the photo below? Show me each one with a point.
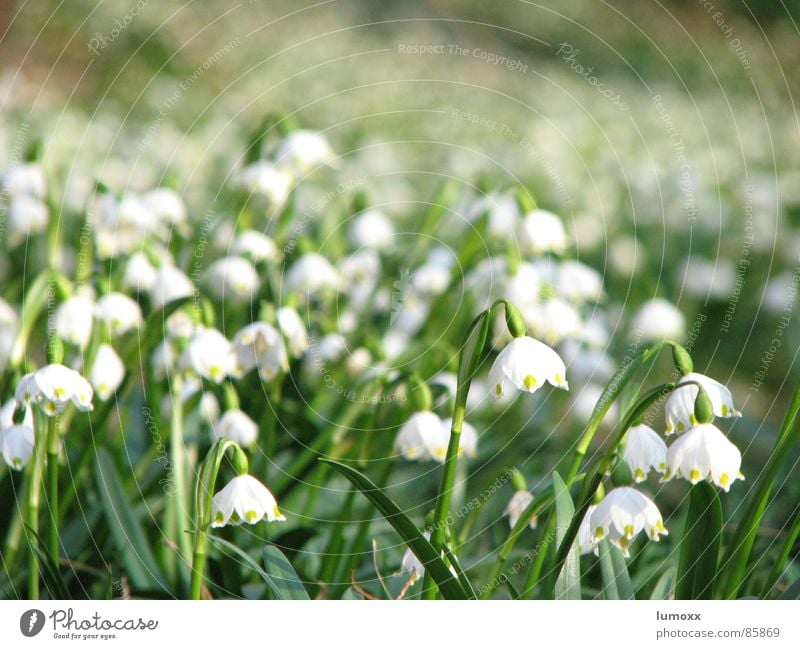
(259, 345)
(679, 407)
(644, 450)
(244, 500)
(233, 278)
(293, 330)
(236, 426)
(526, 364)
(53, 387)
(622, 514)
(541, 231)
(658, 320)
(371, 229)
(119, 312)
(519, 502)
(311, 275)
(704, 453)
(107, 372)
(170, 284)
(209, 354)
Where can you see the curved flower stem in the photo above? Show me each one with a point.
(52, 484)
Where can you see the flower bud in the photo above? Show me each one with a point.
(518, 480)
(239, 461)
(682, 359)
(621, 475)
(514, 321)
(703, 408)
(419, 395)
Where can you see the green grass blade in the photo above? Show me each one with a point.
(448, 585)
(665, 584)
(462, 577)
(283, 574)
(614, 571)
(568, 582)
(697, 565)
(222, 544)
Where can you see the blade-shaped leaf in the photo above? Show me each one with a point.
(448, 585)
(664, 585)
(568, 582)
(697, 565)
(251, 563)
(283, 574)
(616, 580)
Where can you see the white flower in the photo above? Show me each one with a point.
(524, 286)
(704, 453)
(16, 440)
(503, 214)
(658, 320)
(622, 514)
(107, 371)
(24, 180)
(119, 312)
(311, 274)
(586, 540)
(264, 178)
(167, 206)
(420, 437)
(644, 450)
(170, 284)
(260, 345)
(541, 231)
(236, 426)
(162, 359)
(371, 229)
(259, 247)
(305, 150)
(553, 320)
(706, 278)
(578, 282)
(358, 276)
(140, 274)
(180, 326)
(244, 500)
(519, 502)
(527, 364)
(411, 565)
(26, 216)
(233, 278)
(73, 320)
(53, 387)
(431, 279)
(679, 407)
(293, 330)
(584, 401)
(358, 362)
(209, 354)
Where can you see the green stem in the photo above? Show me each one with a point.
(52, 485)
(179, 500)
(198, 564)
(786, 550)
(32, 515)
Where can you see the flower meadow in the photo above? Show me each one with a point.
(275, 353)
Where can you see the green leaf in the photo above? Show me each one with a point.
(125, 527)
(568, 582)
(462, 577)
(283, 574)
(251, 563)
(448, 585)
(616, 580)
(697, 565)
(663, 588)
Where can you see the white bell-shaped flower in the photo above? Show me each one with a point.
(541, 231)
(260, 345)
(167, 207)
(73, 320)
(644, 450)
(578, 282)
(140, 274)
(679, 407)
(267, 180)
(209, 354)
(170, 284)
(553, 320)
(704, 453)
(107, 372)
(293, 330)
(235, 425)
(305, 150)
(658, 320)
(233, 278)
(524, 286)
(527, 364)
(411, 565)
(420, 437)
(16, 439)
(119, 312)
(311, 274)
(586, 541)
(359, 275)
(467, 443)
(53, 387)
(244, 500)
(519, 502)
(26, 216)
(371, 229)
(622, 514)
(24, 180)
(255, 245)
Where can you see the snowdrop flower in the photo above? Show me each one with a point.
(255, 245)
(119, 312)
(265, 179)
(371, 229)
(431, 279)
(293, 330)
(527, 363)
(410, 312)
(554, 320)
(679, 407)
(163, 358)
(24, 180)
(305, 150)
(467, 443)
(394, 343)
(358, 362)
(586, 540)
(524, 286)
(169, 284)
(140, 274)
(26, 216)
(53, 387)
(359, 275)
(236, 426)
(411, 565)
(541, 231)
(9, 322)
(585, 400)
(180, 326)
(504, 214)
(704, 453)
(244, 500)
(16, 440)
(166, 206)
(233, 278)
(311, 274)
(519, 502)
(420, 437)
(107, 371)
(622, 514)
(209, 354)
(658, 320)
(260, 345)
(586, 364)
(644, 450)
(73, 321)
(578, 282)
